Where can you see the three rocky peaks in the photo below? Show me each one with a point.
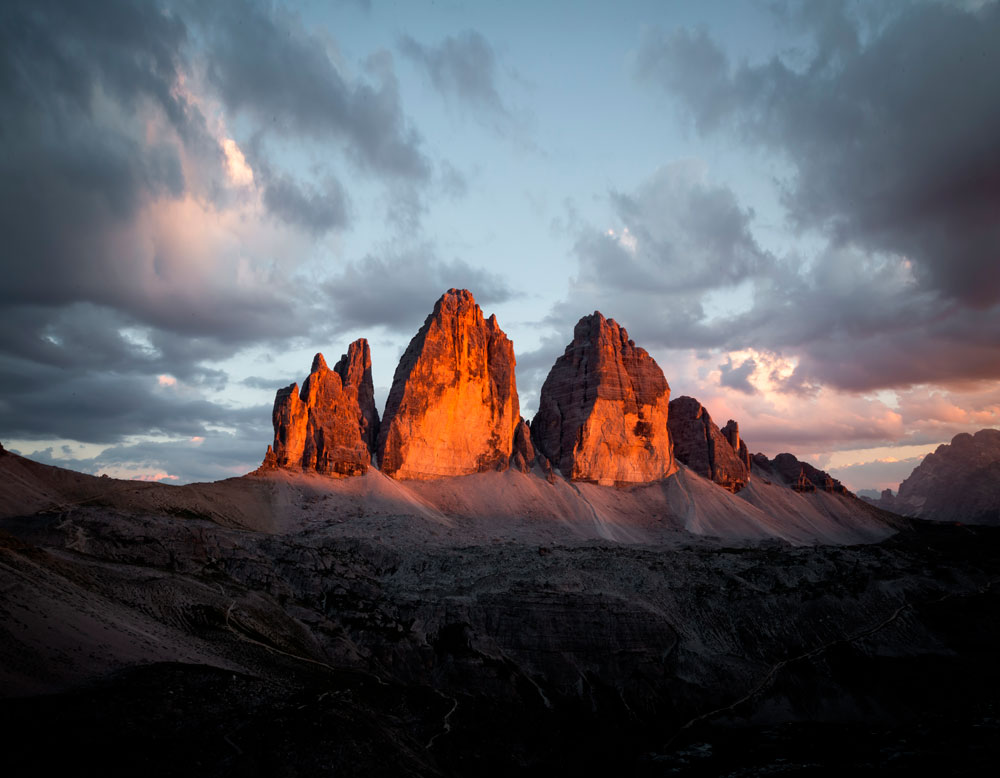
(605, 414)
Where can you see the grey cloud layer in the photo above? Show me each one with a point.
(856, 321)
(463, 66)
(263, 63)
(397, 290)
(113, 184)
(891, 131)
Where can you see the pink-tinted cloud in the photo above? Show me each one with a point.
(816, 423)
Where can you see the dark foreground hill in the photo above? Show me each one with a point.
(280, 626)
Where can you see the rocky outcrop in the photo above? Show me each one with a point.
(453, 407)
(331, 425)
(731, 432)
(801, 476)
(719, 455)
(959, 481)
(603, 409)
(523, 453)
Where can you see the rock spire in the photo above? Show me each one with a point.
(719, 455)
(331, 425)
(453, 407)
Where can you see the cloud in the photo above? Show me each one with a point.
(891, 131)
(678, 239)
(397, 290)
(219, 455)
(106, 407)
(814, 424)
(736, 377)
(317, 210)
(262, 63)
(852, 320)
(146, 240)
(268, 384)
(461, 66)
(878, 474)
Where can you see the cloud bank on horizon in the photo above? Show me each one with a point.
(796, 210)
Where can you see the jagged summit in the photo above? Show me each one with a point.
(332, 424)
(602, 412)
(453, 407)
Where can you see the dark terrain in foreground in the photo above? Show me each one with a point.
(160, 641)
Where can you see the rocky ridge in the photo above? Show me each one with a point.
(603, 409)
(801, 476)
(332, 424)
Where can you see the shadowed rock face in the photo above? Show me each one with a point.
(719, 455)
(453, 406)
(731, 432)
(602, 412)
(523, 455)
(332, 424)
(958, 482)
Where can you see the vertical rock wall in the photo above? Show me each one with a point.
(603, 409)
(453, 407)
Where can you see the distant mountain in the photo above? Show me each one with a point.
(960, 482)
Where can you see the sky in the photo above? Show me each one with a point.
(793, 206)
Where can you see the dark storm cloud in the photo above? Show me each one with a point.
(59, 51)
(81, 175)
(73, 88)
(738, 376)
(398, 290)
(263, 63)
(462, 66)
(858, 323)
(891, 130)
(41, 403)
(129, 253)
(84, 338)
(854, 320)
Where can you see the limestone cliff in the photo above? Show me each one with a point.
(453, 407)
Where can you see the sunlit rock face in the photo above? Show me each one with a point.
(603, 408)
(453, 407)
(719, 455)
(331, 425)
